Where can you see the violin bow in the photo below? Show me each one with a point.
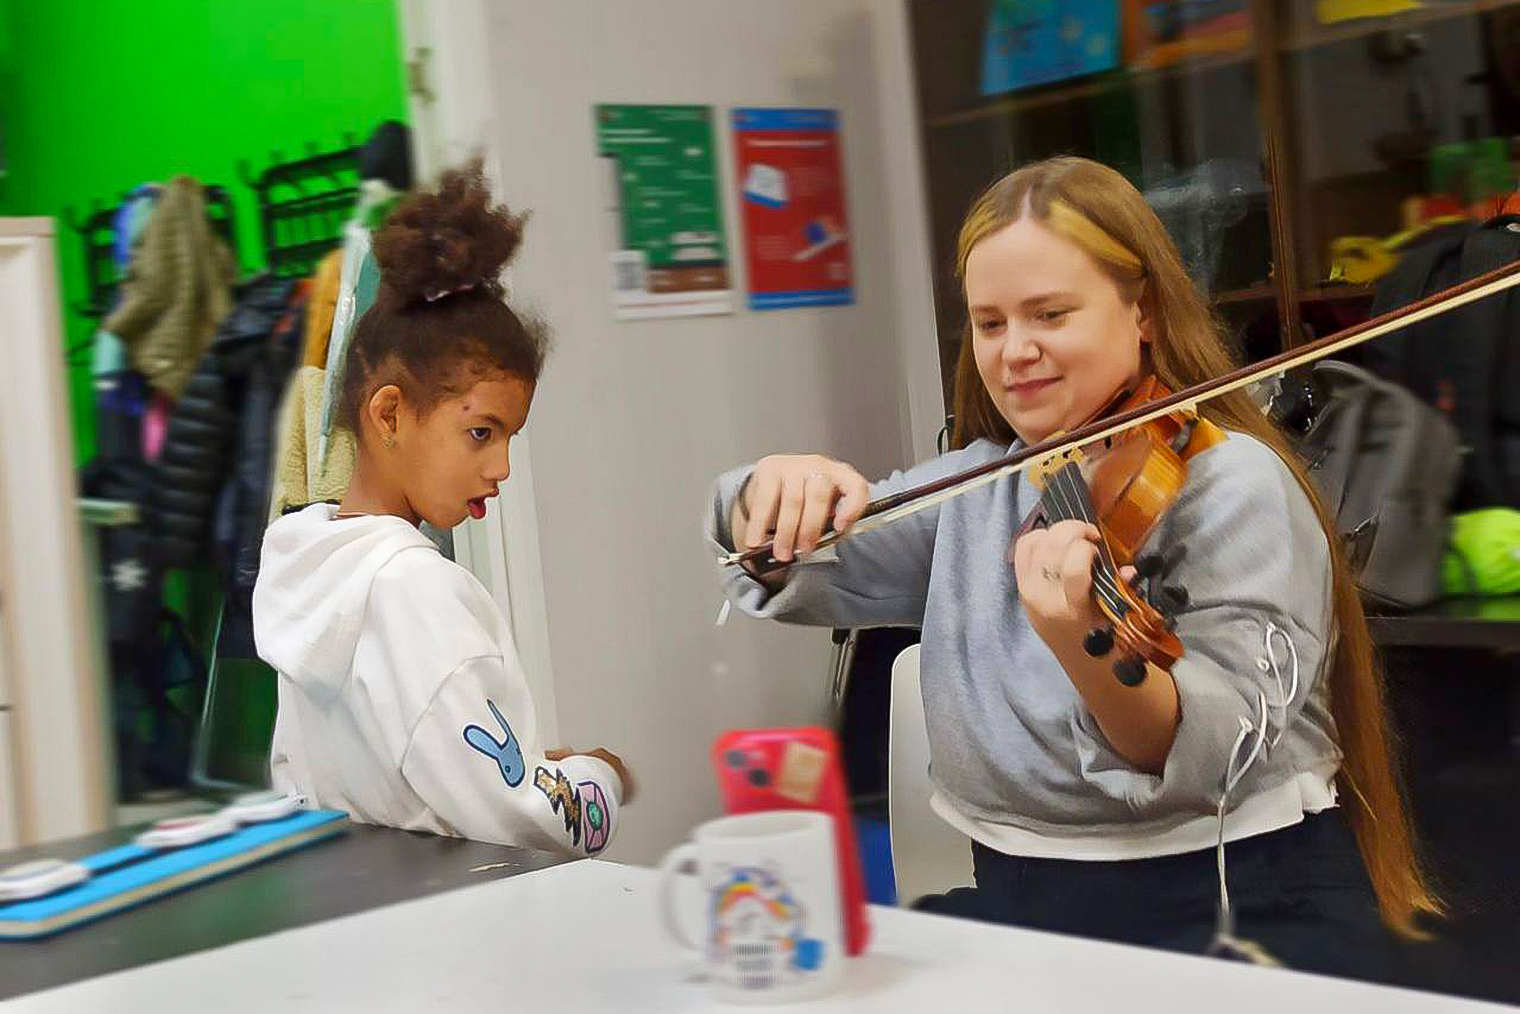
(910, 501)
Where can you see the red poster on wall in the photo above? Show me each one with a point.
(796, 236)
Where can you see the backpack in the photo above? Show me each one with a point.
(1465, 362)
(1386, 464)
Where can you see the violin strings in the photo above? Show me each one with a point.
(1103, 575)
(1067, 493)
(1077, 488)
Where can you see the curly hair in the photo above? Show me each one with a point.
(440, 320)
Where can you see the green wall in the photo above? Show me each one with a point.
(106, 94)
(7, 95)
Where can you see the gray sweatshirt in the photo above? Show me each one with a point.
(1011, 741)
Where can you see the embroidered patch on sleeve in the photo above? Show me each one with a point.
(594, 817)
(506, 753)
(564, 799)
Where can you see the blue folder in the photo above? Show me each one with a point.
(133, 875)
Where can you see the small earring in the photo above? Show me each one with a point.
(389, 441)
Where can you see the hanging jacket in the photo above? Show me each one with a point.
(198, 453)
(121, 394)
(132, 218)
(239, 523)
(319, 311)
(177, 289)
(358, 286)
(298, 474)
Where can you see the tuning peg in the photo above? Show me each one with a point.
(1148, 565)
(1098, 642)
(1130, 671)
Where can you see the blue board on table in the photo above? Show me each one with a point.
(134, 875)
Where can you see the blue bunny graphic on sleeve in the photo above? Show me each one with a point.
(507, 754)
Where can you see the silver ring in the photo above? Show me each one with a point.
(1050, 575)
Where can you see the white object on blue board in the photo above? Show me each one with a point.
(38, 878)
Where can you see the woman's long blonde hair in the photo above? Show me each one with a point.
(1097, 208)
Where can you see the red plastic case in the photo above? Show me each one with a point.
(797, 769)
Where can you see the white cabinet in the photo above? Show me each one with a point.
(10, 827)
(10, 830)
(54, 769)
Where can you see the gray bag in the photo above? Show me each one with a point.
(1387, 465)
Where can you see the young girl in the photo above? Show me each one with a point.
(401, 700)
(1093, 807)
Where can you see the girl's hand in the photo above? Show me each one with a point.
(1054, 571)
(611, 759)
(790, 499)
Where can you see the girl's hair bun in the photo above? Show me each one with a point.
(447, 240)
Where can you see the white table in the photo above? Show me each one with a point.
(585, 938)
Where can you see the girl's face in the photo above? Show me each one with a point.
(1054, 337)
(448, 462)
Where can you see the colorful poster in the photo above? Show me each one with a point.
(660, 168)
(796, 236)
(1034, 42)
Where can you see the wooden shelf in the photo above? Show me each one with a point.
(1252, 294)
(1108, 81)
(1318, 294)
(1436, 11)
(1452, 623)
(1326, 293)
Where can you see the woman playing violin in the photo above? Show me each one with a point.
(1093, 806)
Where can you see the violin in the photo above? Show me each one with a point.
(1122, 485)
(1122, 470)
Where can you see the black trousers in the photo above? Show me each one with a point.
(1302, 893)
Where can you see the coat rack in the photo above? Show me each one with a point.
(97, 233)
(303, 205)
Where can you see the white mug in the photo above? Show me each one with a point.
(771, 928)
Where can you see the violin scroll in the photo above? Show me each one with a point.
(1142, 631)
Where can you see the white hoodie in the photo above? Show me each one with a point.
(402, 701)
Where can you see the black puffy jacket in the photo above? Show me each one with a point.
(242, 513)
(211, 480)
(198, 453)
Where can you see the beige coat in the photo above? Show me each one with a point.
(177, 289)
(299, 478)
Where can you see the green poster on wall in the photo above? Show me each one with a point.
(669, 257)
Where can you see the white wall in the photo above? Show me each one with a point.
(634, 419)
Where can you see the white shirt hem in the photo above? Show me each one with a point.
(1273, 810)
